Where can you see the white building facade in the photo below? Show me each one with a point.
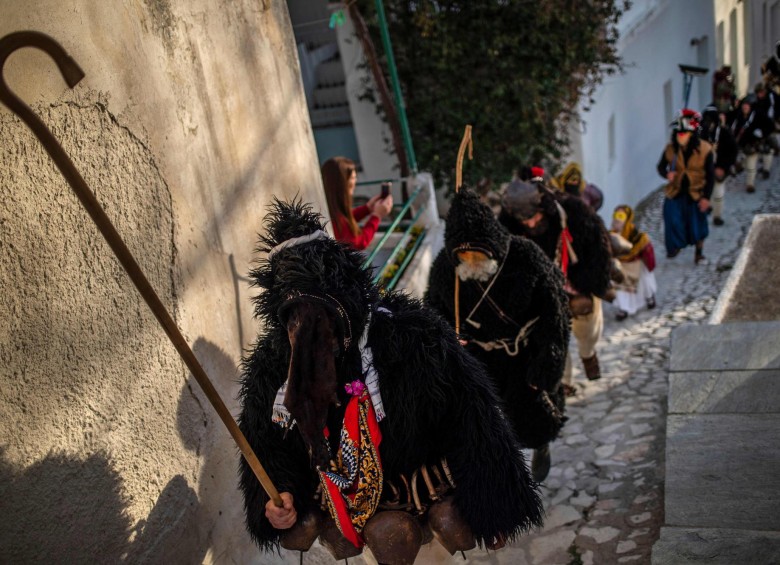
(623, 133)
(334, 72)
(745, 35)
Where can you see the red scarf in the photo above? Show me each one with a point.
(354, 485)
(565, 251)
(566, 241)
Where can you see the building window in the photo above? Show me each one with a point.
(611, 138)
(763, 24)
(774, 23)
(746, 35)
(668, 106)
(733, 59)
(703, 60)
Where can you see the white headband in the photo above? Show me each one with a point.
(319, 234)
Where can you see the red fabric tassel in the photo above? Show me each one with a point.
(566, 240)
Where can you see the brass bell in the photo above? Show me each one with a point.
(305, 530)
(449, 528)
(334, 541)
(394, 537)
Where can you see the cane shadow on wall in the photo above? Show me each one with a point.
(166, 535)
(200, 433)
(178, 528)
(237, 280)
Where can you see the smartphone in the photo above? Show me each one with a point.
(386, 186)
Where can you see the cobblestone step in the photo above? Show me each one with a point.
(694, 546)
(722, 452)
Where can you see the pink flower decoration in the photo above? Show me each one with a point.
(355, 388)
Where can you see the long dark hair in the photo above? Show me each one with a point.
(336, 173)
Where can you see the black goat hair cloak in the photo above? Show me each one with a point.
(590, 275)
(438, 400)
(528, 286)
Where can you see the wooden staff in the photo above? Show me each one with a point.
(466, 141)
(457, 305)
(461, 150)
(72, 74)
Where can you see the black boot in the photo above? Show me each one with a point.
(540, 464)
(592, 369)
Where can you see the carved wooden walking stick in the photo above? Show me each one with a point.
(72, 75)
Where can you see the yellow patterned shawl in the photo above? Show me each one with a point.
(572, 172)
(638, 239)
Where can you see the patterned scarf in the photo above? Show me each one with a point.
(353, 486)
(638, 239)
(571, 174)
(564, 254)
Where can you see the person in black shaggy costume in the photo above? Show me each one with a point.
(574, 237)
(513, 317)
(434, 400)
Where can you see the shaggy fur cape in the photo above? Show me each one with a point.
(438, 400)
(590, 275)
(528, 286)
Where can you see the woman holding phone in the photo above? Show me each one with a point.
(339, 178)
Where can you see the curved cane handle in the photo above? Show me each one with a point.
(72, 74)
(465, 142)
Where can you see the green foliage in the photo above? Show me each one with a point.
(514, 69)
(390, 270)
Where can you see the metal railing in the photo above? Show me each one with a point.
(405, 243)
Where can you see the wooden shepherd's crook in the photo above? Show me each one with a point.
(466, 141)
(72, 75)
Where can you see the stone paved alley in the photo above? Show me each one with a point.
(604, 494)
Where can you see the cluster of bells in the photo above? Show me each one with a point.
(398, 529)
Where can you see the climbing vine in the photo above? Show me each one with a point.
(517, 70)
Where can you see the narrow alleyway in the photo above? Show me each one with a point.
(604, 495)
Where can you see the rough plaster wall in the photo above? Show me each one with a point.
(89, 369)
(190, 118)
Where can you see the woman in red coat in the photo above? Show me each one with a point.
(339, 178)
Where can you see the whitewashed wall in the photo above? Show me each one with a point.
(370, 130)
(754, 37)
(190, 119)
(656, 36)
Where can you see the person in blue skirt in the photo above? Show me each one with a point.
(687, 163)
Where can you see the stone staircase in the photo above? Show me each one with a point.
(330, 103)
(722, 491)
(325, 85)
